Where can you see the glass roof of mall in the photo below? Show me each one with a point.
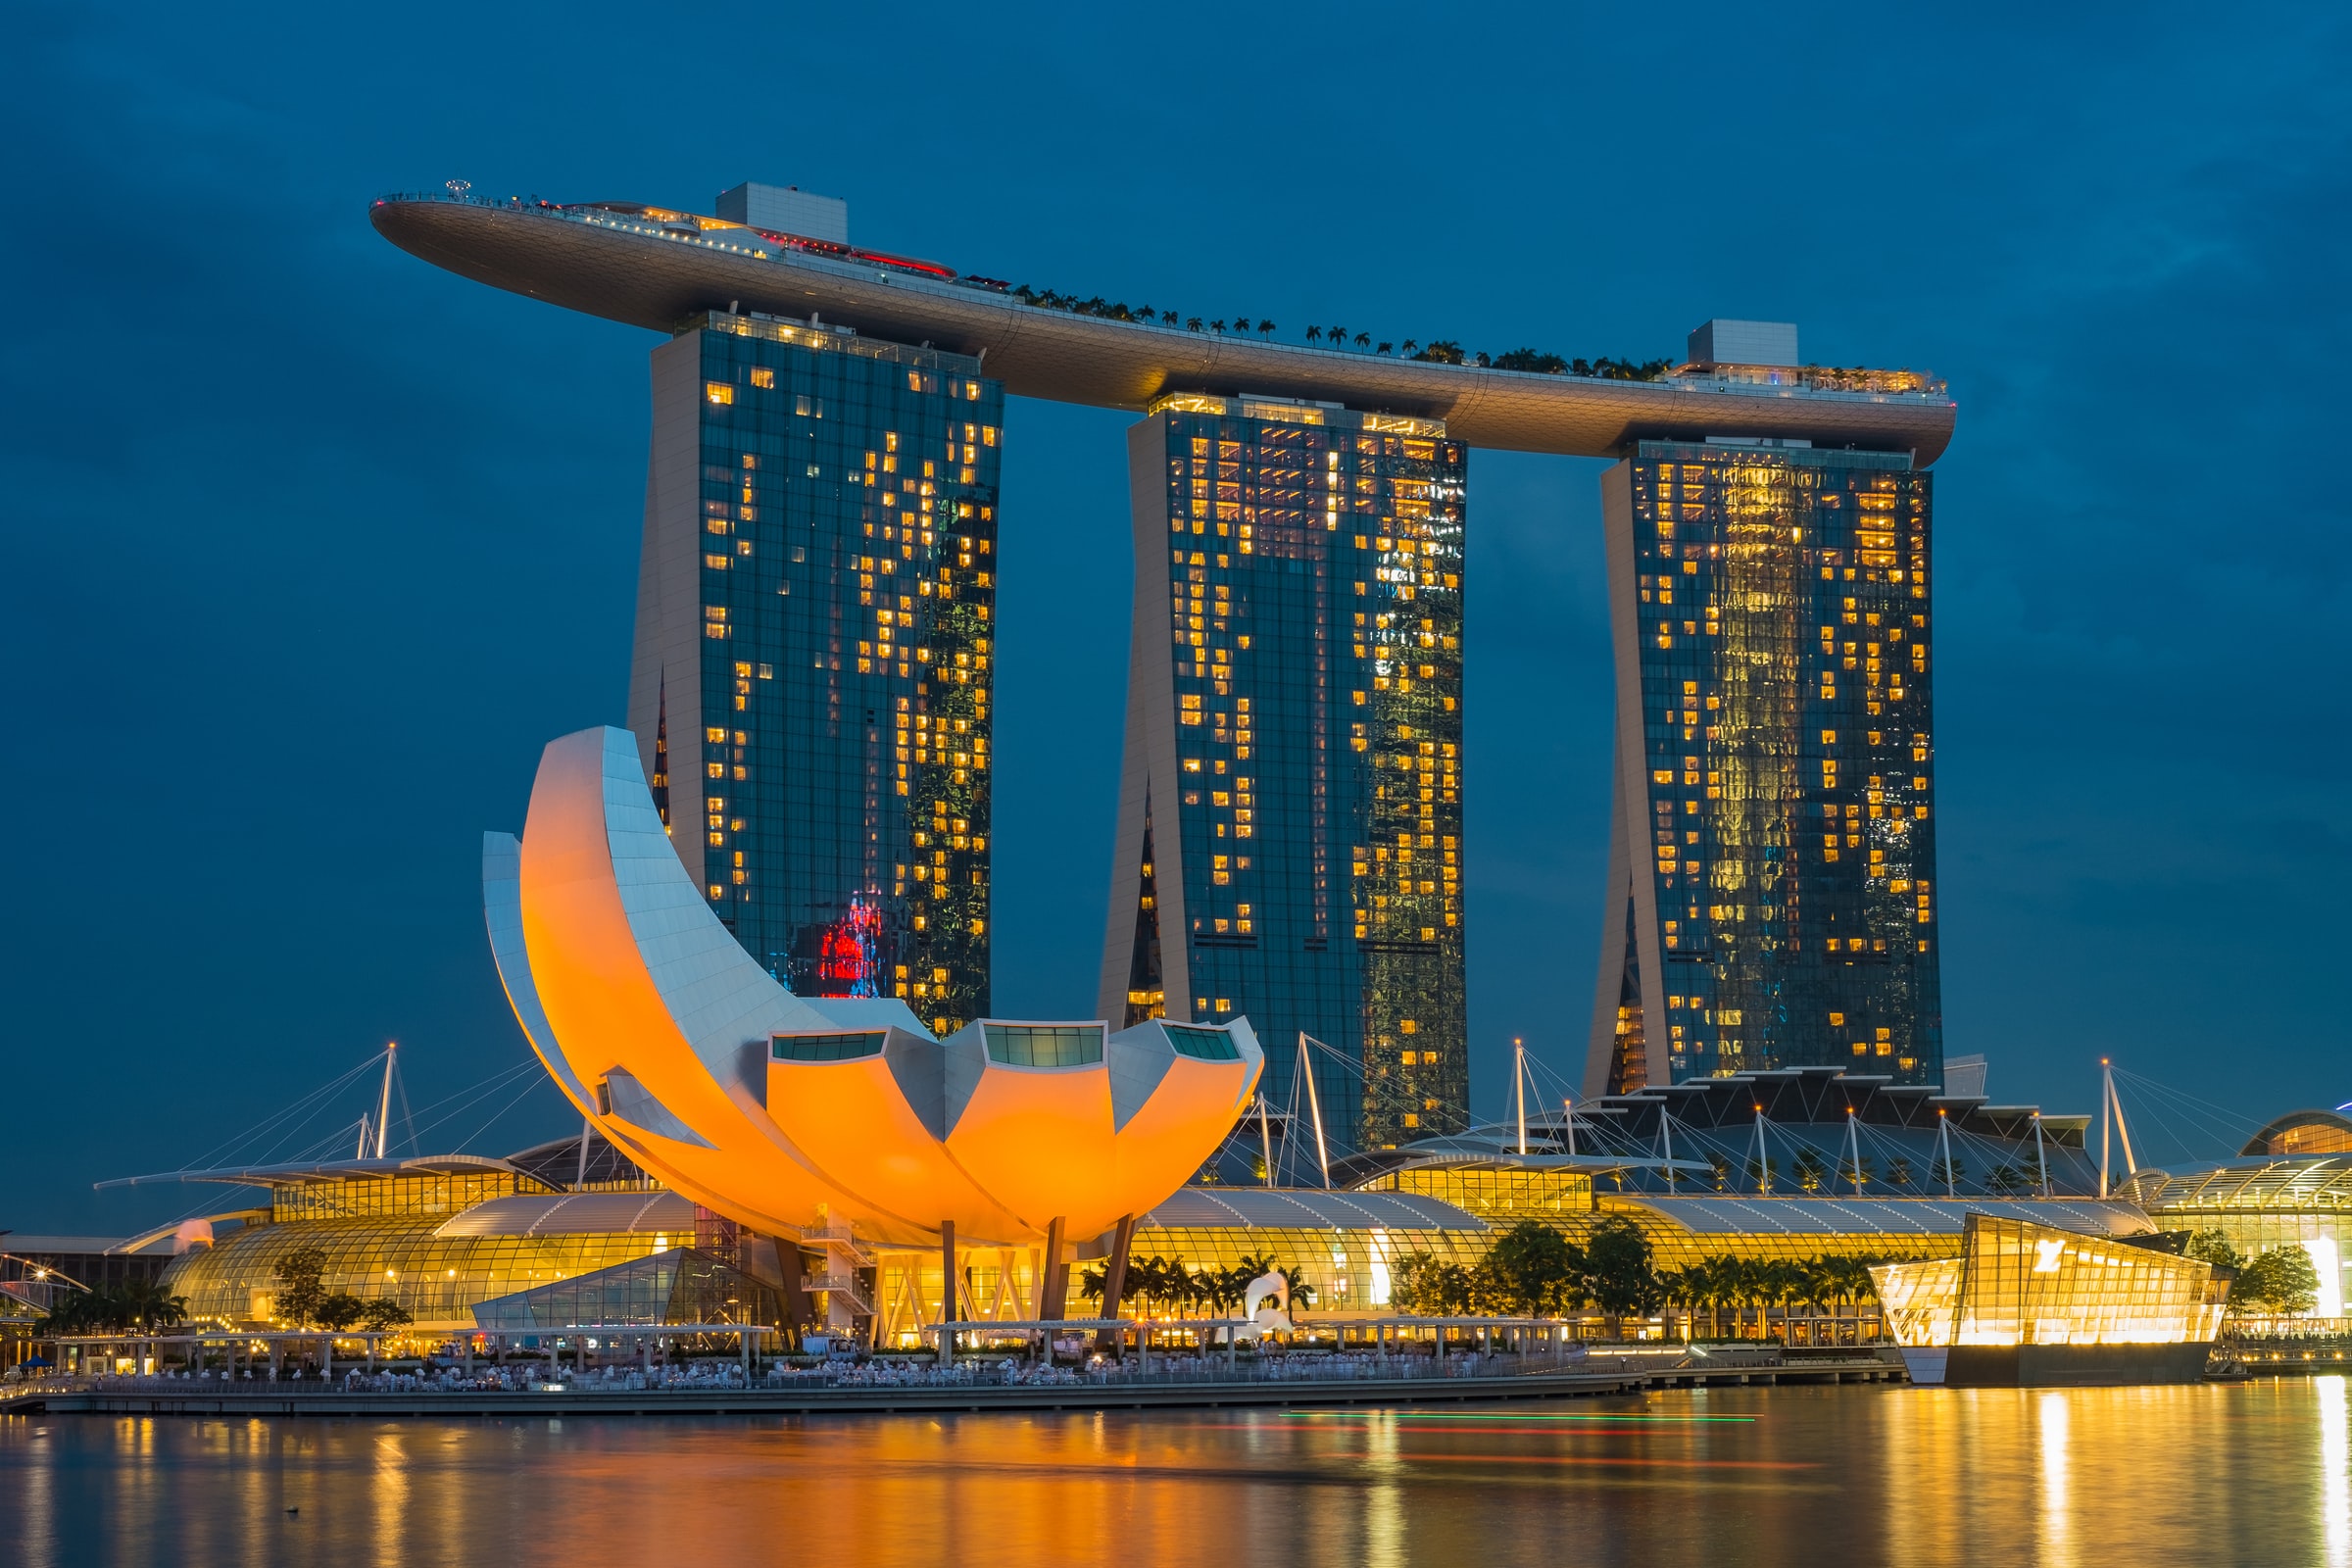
(2309, 1181)
(1279, 1209)
(575, 1214)
(1883, 1217)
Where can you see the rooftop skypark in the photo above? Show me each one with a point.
(655, 267)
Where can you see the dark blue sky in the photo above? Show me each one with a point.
(309, 547)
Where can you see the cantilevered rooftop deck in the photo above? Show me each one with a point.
(653, 269)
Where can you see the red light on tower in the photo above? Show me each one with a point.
(849, 960)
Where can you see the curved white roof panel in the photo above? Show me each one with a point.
(577, 1214)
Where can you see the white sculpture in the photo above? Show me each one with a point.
(1260, 1316)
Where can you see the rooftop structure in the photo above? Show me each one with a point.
(2303, 1132)
(1794, 1131)
(788, 208)
(655, 267)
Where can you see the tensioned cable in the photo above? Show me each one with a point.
(2155, 1086)
(474, 1095)
(208, 1159)
(2150, 1100)
(408, 1119)
(520, 1095)
(471, 1091)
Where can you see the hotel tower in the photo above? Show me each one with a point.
(1771, 900)
(1289, 829)
(815, 653)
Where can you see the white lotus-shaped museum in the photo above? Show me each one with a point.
(787, 1113)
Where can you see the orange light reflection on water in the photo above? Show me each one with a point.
(1918, 1476)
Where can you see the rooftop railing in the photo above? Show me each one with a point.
(830, 339)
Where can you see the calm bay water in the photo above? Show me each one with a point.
(2259, 1473)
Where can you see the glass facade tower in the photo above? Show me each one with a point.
(810, 688)
(1771, 900)
(1289, 841)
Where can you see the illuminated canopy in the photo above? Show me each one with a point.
(653, 267)
(790, 1113)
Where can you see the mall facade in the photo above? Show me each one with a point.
(566, 1235)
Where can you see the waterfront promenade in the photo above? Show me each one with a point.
(912, 1385)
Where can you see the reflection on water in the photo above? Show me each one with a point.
(2052, 1410)
(2255, 1473)
(2335, 1488)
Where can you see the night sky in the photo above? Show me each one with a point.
(310, 546)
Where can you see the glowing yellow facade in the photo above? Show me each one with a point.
(2033, 1304)
(436, 1277)
(790, 1114)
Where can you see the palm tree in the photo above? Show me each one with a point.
(1727, 1283)
(1192, 323)
(151, 1306)
(1337, 335)
(1265, 327)
(1314, 334)
(1217, 326)
(1384, 348)
(1692, 1285)
(1364, 340)
(1219, 1289)
(1728, 1286)
(1817, 1285)
(1787, 1282)
(1410, 346)
(1150, 1279)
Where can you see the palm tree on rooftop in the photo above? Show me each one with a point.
(1410, 346)
(1337, 335)
(1314, 334)
(1384, 348)
(1364, 340)
(1217, 326)
(1167, 319)
(1265, 328)
(1193, 324)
